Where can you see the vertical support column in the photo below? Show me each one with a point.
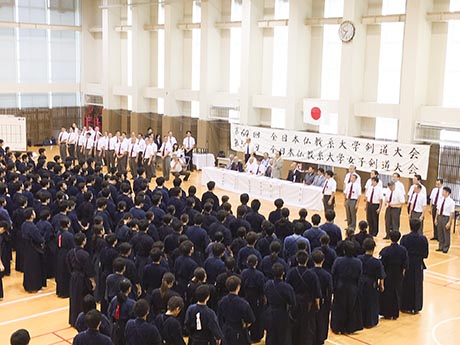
(141, 56)
(414, 69)
(111, 61)
(352, 70)
(173, 55)
(251, 60)
(298, 65)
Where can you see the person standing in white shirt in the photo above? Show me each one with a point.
(141, 144)
(62, 142)
(251, 166)
(72, 142)
(171, 138)
(189, 145)
(398, 184)
(352, 196)
(417, 206)
(329, 189)
(80, 145)
(149, 158)
(435, 196)
(112, 142)
(88, 146)
(98, 146)
(133, 152)
(122, 154)
(260, 171)
(445, 219)
(416, 180)
(165, 151)
(249, 149)
(373, 173)
(374, 196)
(347, 179)
(394, 201)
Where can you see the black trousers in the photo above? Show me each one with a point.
(433, 216)
(373, 218)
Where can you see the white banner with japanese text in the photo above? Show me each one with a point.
(338, 151)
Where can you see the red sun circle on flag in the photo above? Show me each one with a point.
(315, 113)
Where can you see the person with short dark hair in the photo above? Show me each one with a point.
(167, 323)
(325, 281)
(283, 226)
(65, 243)
(395, 261)
(81, 276)
(346, 316)
(418, 205)
(315, 233)
(201, 321)
(329, 189)
(435, 197)
(445, 214)
(417, 249)
(371, 284)
(331, 229)
(352, 194)
(139, 331)
(280, 297)
(307, 293)
(235, 315)
(20, 337)
(374, 202)
(92, 335)
(89, 303)
(209, 194)
(394, 201)
(249, 249)
(253, 291)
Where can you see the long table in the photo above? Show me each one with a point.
(294, 194)
(202, 160)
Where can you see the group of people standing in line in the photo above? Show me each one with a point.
(163, 263)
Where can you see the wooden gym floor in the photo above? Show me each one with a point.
(46, 316)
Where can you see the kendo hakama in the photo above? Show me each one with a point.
(81, 270)
(412, 293)
(395, 261)
(369, 288)
(322, 317)
(65, 243)
(252, 288)
(278, 323)
(34, 261)
(307, 289)
(346, 314)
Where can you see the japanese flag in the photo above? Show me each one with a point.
(317, 111)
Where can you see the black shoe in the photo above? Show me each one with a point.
(433, 239)
(386, 238)
(445, 251)
(439, 250)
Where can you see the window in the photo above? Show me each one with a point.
(32, 11)
(161, 57)
(235, 48)
(280, 41)
(196, 46)
(386, 128)
(451, 95)
(33, 56)
(64, 56)
(64, 12)
(8, 57)
(330, 68)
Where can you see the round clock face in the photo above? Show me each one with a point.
(346, 31)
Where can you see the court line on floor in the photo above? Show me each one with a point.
(443, 262)
(33, 316)
(63, 339)
(27, 298)
(48, 333)
(358, 340)
(435, 328)
(333, 342)
(445, 276)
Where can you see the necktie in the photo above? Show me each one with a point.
(351, 191)
(415, 202)
(325, 186)
(119, 149)
(164, 149)
(143, 155)
(247, 150)
(372, 195)
(349, 179)
(86, 145)
(391, 197)
(109, 145)
(60, 136)
(442, 207)
(188, 143)
(117, 140)
(436, 199)
(132, 149)
(97, 144)
(257, 172)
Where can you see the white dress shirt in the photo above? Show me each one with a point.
(435, 196)
(251, 168)
(89, 143)
(72, 138)
(112, 143)
(188, 142)
(249, 149)
(411, 191)
(330, 186)
(369, 184)
(447, 205)
(418, 202)
(150, 150)
(141, 145)
(121, 147)
(400, 186)
(133, 150)
(166, 149)
(394, 198)
(260, 170)
(63, 136)
(354, 188)
(172, 141)
(376, 196)
(347, 178)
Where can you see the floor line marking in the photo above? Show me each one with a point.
(57, 335)
(27, 298)
(358, 340)
(435, 328)
(33, 316)
(442, 262)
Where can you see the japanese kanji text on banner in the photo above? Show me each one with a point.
(337, 151)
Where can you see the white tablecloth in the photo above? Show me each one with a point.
(202, 160)
(295, 194)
